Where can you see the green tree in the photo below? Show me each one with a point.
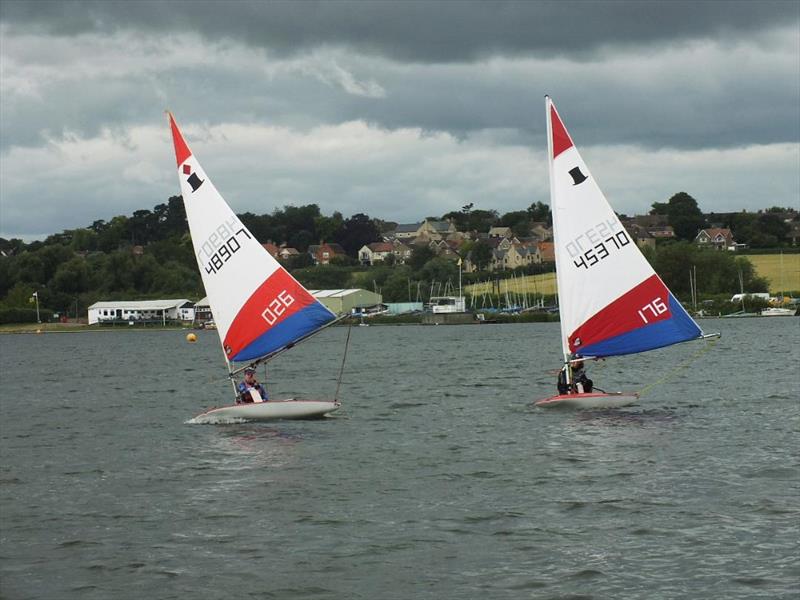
(439, 269)
(112, 235)
(328, 228)
(659, 208)
(19, 296)
(685, 216)
(519, 221)
(324, 277)
(419, 256)
(83, 240)
(539, 211)
(481, 254)
(716, 272)
(72, 277)
(398, 286)
(28, 267)
(357, 231)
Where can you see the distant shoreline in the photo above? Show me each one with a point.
(41, 328)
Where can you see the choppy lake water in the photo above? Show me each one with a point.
(436, 480)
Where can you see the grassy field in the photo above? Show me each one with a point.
(529, 284)
(766, 265)
(769, 266)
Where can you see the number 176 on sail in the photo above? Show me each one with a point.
(657, 307)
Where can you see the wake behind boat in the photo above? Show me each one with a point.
(259, 309)
(611, 301)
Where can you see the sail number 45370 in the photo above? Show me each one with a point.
(655, 308)
(277, 307)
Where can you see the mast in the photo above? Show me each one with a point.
(553, 209)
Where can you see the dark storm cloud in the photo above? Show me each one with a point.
(429, 106)
(419, 31)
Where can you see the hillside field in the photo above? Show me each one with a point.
(528, 284)
(766, 265)
(769, 266)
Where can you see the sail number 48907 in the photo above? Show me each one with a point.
(277, 307)
(656, 307)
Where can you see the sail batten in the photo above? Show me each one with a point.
(258, 306)
(611, 301)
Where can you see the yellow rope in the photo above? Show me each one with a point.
(681, 367)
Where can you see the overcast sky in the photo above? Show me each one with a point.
(400, 110)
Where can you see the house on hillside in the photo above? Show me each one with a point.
(541, 230)
(406, 230)
(715, 237)
(640, 235)
(436, 230)
(500, 232)
(287, 252)
(369, 254)
(519, 255)
(401, 250)
(547, 252)
(272, 249)
(327, 252)
(661, 232)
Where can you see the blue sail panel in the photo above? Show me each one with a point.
(679, 327)
(291, 329)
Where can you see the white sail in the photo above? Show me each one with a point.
(611, 301)
(258, 306)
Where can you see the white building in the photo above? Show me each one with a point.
(141, 311)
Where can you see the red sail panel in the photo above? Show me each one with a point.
(646, 303)
(275, 300)
(561, 139)
(182, 151)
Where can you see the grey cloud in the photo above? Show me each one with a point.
(419, 31)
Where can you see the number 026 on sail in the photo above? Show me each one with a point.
(611, 301)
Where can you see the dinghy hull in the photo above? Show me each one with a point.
(269, 411)
(589, 400)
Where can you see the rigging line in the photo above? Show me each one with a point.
(683, 366)
(344, 357)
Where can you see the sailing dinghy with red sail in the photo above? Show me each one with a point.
(611, 301)
(259, 309)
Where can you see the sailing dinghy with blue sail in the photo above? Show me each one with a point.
(611, 301)
(259, 309)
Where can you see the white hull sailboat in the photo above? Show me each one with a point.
(777, 311)
(259, 309)
(291, 408)
(611, 301)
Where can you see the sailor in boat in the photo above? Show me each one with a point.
(250, 390)
(581, 384)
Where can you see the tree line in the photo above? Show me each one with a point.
(149, 254)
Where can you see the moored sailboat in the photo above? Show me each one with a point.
(259, 309)
(611, 300)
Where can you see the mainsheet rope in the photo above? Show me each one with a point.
(344, 358)
(681, 367)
